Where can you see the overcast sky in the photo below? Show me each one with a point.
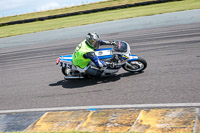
(16, 7)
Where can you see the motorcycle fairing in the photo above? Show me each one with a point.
(66, 58)
(133, 57)
(103, 53)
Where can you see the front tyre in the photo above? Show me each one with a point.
(135, 65)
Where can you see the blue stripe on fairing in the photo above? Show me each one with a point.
(103, 49)
(135, 57)
(66, 60)
(105, 57)
(66, 56)
(70, 59)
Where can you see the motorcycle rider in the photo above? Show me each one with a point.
(85, 52)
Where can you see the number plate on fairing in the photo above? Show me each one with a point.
(104, 53)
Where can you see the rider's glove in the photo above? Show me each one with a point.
(113, 43)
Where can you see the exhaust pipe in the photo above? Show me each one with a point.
(73, 77)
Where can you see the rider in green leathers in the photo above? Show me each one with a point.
(84, 52)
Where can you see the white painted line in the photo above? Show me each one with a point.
(166, 105)
(196, 119)
(135, 121)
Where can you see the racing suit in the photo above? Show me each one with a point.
(83, 54)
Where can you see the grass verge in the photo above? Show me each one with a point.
(91, 6)
(98, 17)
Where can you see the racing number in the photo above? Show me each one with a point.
(77, 49)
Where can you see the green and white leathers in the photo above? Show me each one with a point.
(77, 58)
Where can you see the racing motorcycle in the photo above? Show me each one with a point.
(117, 57)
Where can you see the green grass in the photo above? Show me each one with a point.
(98, 17)
(70, 9)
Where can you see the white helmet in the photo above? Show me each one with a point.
(93, 40)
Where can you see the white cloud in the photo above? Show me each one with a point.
(49, 6)
(5, 4)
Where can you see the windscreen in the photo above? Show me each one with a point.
(121, 46)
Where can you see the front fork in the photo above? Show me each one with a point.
(131, 58)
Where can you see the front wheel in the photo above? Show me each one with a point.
(135, 65)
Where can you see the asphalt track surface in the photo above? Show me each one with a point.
(30, 78)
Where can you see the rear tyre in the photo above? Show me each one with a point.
(64, 70)
(136, 65)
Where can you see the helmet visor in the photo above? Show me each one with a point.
(94, 44)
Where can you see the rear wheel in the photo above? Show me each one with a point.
(64, 70)
(135, 65)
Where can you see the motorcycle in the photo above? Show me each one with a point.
(117, 57)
